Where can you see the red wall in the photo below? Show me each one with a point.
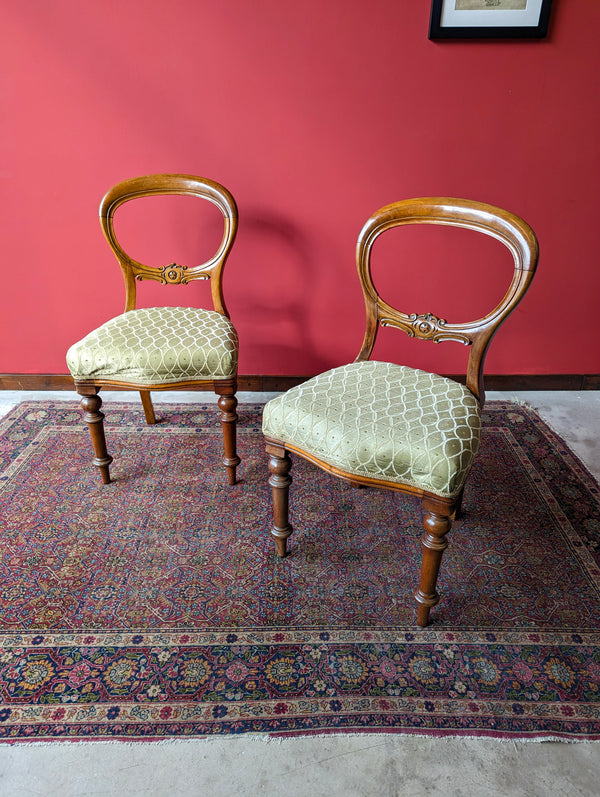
(313, 114)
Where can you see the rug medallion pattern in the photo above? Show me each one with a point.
(156, 607)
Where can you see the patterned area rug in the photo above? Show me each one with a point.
(156, 607)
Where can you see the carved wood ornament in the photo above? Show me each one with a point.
(425, 326)
(173, 274)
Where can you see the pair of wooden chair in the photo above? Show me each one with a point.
(374, 424)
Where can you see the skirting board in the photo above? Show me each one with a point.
(270, 383)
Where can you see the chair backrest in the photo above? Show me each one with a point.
(512, 231)
(174, 274)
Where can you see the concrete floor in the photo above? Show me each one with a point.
(354, 765)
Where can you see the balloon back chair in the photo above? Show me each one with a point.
(377, 424)
(162, 348)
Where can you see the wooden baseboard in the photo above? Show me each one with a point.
(269, 383)
(254, 384)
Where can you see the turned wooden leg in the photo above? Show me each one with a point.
(437, 523)
(148, 408)
(228, 417)
(280, 480)
(91, 404)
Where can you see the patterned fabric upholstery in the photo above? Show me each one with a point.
(383, 421)
(159, 344)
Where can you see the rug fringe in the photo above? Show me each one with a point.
(281, 739)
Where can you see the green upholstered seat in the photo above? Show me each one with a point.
(158, 345)
(382, 421)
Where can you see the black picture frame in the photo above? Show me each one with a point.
(437, 30)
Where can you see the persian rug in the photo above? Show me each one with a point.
(156, 606)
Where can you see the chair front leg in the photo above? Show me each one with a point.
(91, 403)
(437, 522)
(280, 480)
(228, 417)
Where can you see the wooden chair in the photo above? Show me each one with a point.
(162, 348)
(377, 424)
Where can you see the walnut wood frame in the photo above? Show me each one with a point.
(439, 512)
(173, 274)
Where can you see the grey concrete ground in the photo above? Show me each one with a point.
(353, 765)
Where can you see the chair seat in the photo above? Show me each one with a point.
(382, 421)
(158, 345)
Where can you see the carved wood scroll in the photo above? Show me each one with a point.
(425, 326)
(173, 274)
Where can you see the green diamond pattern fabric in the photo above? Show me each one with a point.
(383, 421)
(158, 344)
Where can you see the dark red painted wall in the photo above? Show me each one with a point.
(313, 114)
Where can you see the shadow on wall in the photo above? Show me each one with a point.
(272, 288)
(277, 305)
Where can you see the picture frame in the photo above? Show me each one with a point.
(489, 19)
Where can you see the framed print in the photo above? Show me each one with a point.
(476, 19)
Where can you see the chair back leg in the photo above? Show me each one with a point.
(148, 408)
